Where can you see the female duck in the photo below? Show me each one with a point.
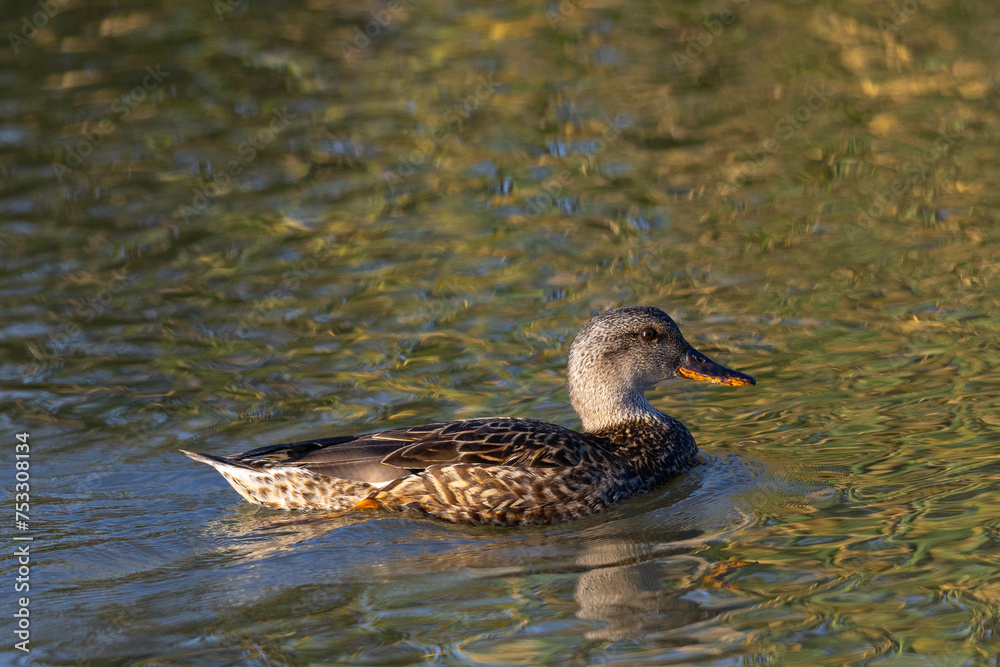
(503, 470)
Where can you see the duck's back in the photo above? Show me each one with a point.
(384, 456)
(521, 471)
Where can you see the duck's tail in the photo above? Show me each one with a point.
(215, 461)
(287, 487)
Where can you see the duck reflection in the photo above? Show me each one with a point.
(636, 584)
(625, 590)
(635, 566)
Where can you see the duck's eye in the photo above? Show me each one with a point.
(649, 334)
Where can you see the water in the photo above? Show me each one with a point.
(230, 225)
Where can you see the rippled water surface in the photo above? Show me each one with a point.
(232, 224)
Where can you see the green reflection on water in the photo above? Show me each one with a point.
(807, 188)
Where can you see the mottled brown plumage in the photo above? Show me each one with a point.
(507, 471)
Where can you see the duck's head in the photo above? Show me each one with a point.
(621, 353)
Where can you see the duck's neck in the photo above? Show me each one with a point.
(653, 444)
(604, 407)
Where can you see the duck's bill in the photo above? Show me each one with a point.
(697, 366)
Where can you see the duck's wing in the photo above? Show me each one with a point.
(510, 442)
(377, 458)
(353, 457)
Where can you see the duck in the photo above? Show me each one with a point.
(507, 471)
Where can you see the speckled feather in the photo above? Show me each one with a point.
(503, 471)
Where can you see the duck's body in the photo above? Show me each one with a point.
(507, 471)
(500, 470)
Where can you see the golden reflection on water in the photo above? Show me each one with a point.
(807, 188)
